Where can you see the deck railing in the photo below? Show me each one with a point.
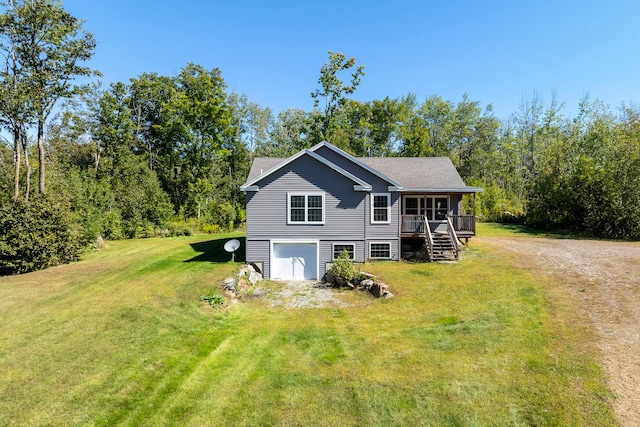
(415, 224)
(464, 223)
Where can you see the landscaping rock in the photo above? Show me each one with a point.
(229, 284)
(246, 269)
(365, 285)
(254, 277)
(378, 289)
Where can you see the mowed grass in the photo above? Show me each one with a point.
(120, 338)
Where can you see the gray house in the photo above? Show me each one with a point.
(305, 210)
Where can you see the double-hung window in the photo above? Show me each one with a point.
(305, 208)
(379, 250)
(339, 248)
(380, 208)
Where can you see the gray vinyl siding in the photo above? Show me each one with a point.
(455, 204)
(344, 215)
(385, 231)
(344, 207)
(379, 185)
(258, 251)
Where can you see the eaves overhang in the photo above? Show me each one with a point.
(463, 190)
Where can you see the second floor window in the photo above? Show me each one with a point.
(380, 208)
(305, 208)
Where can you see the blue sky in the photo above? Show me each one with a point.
(495, 51)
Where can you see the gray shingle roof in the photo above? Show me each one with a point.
(261, 165)
(418, 172)
(413, 173)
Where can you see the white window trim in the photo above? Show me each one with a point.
(433, 210)
(381, 243)
(333, 249)
(306, 208)
(388, 196)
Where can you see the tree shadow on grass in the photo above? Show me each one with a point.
(213, 251)
(539, 232)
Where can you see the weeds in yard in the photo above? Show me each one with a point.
(214, 299)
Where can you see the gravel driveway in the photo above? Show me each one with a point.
(604, 278)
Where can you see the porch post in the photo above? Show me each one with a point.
(474, 204)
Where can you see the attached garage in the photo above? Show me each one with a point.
(294, 260)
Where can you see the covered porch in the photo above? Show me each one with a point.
(439, 211)
(433, 225)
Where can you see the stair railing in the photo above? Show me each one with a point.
(454, 237)
(429, 238)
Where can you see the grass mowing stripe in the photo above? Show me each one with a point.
(120, 338)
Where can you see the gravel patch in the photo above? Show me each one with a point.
(604, 279)
(305, 294)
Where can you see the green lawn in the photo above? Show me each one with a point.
(121, 338)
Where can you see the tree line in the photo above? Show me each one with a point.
(165, 155)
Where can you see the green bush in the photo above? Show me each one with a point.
(343, 267)
(36, 235)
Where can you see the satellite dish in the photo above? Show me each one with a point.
(232, 246)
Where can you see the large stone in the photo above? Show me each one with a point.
(365, 285)
(229, 284)
(246, 270)
(254, 277)
(378, 289)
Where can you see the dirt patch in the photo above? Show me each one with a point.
(604, 279)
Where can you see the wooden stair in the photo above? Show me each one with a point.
(444, 248)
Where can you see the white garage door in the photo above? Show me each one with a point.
(294, 261)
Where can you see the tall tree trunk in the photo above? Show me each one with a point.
(27, 165)
(16, 163)
(41, 154)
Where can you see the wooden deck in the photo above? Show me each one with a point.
(414, 226)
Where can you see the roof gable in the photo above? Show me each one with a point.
(357, 162)
(261, 163)
(425, 174)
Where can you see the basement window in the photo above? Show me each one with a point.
(338, 248)
(379, 250)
